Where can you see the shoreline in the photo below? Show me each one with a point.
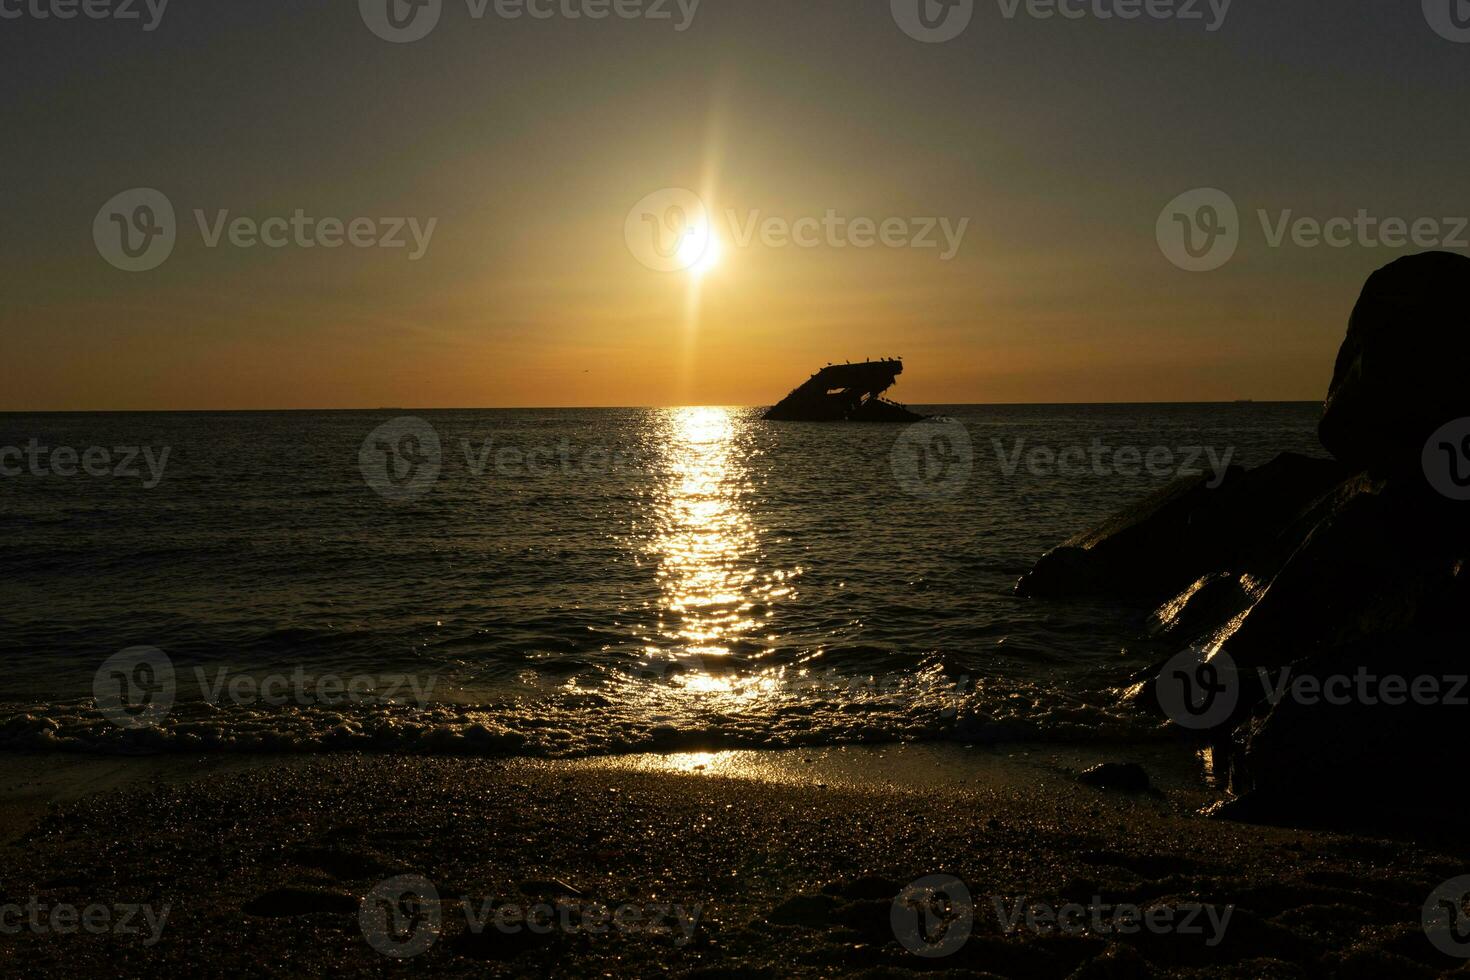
(794, 859)
(32, 781)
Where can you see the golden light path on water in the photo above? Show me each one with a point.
(715, 667)
(714, 594)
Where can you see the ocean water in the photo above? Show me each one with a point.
(574, 582)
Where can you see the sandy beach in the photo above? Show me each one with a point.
(703, 865)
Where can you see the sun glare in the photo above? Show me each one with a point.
(700, 251)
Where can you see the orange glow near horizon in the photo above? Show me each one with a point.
(528, 145)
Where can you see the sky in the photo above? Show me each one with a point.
(1061, 146)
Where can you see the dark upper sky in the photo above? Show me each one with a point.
(528, 141)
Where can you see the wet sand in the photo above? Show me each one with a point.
(717, 865)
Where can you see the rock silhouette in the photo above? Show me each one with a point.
(1322, 590)
(1400, 374)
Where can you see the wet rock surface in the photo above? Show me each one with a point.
(1186, 530)
(1304, 586)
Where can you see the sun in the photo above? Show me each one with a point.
(700, 250)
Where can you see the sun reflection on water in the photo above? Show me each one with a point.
(714, 596)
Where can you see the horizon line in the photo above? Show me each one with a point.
(605, 408)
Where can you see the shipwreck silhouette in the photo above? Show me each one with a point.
(846, 393)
